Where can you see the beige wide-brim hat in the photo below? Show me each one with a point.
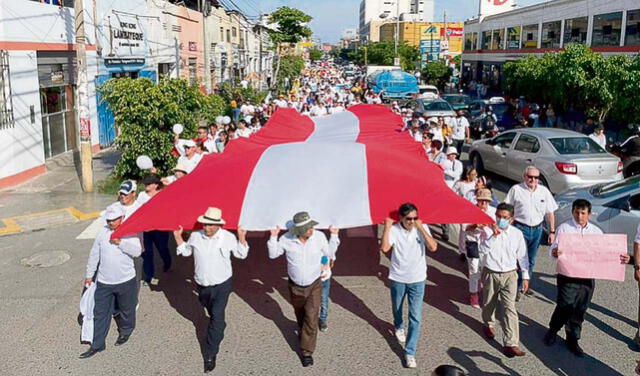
(484, 194)
(213, 216)
(302, 222)
(180, 167)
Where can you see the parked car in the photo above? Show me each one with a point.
(431, 108)
(458, 101)
(615, 206)
(566, 159)
(428, 91)
(505, 120)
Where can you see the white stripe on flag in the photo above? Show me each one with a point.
(326, 176)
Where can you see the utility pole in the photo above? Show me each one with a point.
(397, 34)
(207, 47)
(86, 157)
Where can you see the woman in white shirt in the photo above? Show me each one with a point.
(467, 183)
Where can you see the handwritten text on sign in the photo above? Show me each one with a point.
(592, 256)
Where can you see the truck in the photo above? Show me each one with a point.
(372, 69)
(394, 85)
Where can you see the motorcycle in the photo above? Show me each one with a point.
(630, 161)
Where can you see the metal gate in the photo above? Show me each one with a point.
(106, 120)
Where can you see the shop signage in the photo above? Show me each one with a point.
(57, 77)
(127, 41)
(193, 46)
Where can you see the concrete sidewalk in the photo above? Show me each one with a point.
(55, 198)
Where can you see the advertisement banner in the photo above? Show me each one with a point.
(127, 40)
(430, 31)
(489, 7)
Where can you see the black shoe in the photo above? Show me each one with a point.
(209, 364)
(307, 360)
(575, 348)
(89, 353)
(122, 339)
(529, 292)
(322, 325)
(463, 257)
(550, 338)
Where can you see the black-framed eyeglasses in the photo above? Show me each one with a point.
(411, 219)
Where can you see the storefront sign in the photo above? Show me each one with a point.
(127, 44)
(57, 77)
(193, 46)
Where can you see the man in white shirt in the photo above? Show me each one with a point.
(409, 239)
(472, 237)
(127, 199)
(532, 202)
(190, 159)
(212, 248)
(502, 249)
(460, 130)
(304, 248)
(111, 262)
(599, 137)
(574, 294)
(281, 102)
(452, 167)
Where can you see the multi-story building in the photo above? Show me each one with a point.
(436, 40)
(608, 27)
(374, 13)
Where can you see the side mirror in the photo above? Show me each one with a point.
(623, 203)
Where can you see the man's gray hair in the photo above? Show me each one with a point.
(529, 168)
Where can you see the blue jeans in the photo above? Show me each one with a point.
(161, 240)
(415, 292)
(324, 301)
(532, 237)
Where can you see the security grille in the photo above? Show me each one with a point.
(6, 105)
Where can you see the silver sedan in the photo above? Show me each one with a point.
(615, 206)
(566, 159)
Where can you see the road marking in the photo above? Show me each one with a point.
(92, 230)
(11, 225)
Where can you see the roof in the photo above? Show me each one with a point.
(550, 132)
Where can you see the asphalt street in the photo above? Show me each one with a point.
(41, 334)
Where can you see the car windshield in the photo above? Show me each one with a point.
(500, 108)
(436, 106)
(576, 145)
(614, 189)
(457, 99)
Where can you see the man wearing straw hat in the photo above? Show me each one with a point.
(304, 248)
(212, 248)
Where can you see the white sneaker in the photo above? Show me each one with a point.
(402, 338)
(411, 361)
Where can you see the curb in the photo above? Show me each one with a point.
(20, 224)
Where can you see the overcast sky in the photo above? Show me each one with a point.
(330, 17)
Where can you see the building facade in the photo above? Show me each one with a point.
(436, 40)
(608, 27)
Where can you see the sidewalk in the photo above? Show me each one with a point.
(55, 198)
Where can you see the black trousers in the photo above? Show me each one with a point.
(125, 296)
(458, 144)
(214, 299)
(574, 296)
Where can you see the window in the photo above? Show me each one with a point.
(234, 32)
(576, 145)
(496, 40)
(228, 35)
(468, 41)
(513, 37)
(193, 76)
(486, 40)
(504, 140)
(575, 30)
(65, 3)
(222, 34)
(437, 106)
(606, 29)
(6, 104)
(632, 36)
(527, 144)
(474, 41)
(530, 36)
(551, 35)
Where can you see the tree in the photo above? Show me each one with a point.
(382, 53)
(145, 113)
(436, 73)
(290, 68)
(315, 54)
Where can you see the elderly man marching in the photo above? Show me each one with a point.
(304, 248)
(111, 261)
(501, 250)
(532, 202)
(212, 248)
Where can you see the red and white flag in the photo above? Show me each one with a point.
(351, 169)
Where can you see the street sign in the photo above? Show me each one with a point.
(396, 61)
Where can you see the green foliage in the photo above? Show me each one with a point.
(251, 94)
(290, 67)
(383, 53)
(145, 114)
(291, 25)
(315, 54)
(436, 73)
(581, 79)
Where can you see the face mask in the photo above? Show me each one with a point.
(503, 223)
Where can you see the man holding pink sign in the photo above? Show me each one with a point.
(584, 254)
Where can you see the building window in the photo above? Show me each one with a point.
(193, 70)
(228, 35)
(530, 36)
(64, 3)
(496, 40)
(551, 35)
(606, 29)
(513, 37)
(632, 36)
(222, 34)
(234, 32)
(468, 41)
(6, 104)
(486, 40)
(575, 30)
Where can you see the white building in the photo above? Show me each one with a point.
(380, 10)
(425, 9)
(609, 27)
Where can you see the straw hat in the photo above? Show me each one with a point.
(213, 216)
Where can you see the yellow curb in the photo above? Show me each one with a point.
(12, 227)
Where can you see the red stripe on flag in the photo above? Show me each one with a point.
(398, 171)
(220, 180)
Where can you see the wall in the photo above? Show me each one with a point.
(191, 24)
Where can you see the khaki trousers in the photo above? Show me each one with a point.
(500, 290)
(306, 305)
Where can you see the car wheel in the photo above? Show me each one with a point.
(476, 161)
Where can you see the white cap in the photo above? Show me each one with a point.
(189, 143)
(452, 150)
(114, 211)
(433, 120)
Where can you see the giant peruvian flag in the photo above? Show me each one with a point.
(350, 169)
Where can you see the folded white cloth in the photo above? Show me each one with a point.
(87, 302)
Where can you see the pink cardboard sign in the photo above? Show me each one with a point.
(592, 256)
